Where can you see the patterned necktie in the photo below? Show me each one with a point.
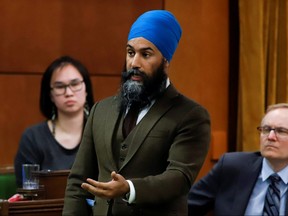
(272, 199)
(130, 119)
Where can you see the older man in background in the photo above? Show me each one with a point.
(253, 183)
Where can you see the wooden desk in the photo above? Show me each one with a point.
(52, 185)
(48, 200)
(48, 207)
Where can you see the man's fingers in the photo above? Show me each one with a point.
(114, 176)
(117, 187)
(90, 188)
(97, 184)
(92, 182)
(96, 191)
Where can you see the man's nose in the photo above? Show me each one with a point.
(136, 61)
(272, 135)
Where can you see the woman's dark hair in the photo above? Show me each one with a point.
(46, 105)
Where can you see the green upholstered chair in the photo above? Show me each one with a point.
(8, 185)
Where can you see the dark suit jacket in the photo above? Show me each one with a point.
(226, 189)
(166, 151)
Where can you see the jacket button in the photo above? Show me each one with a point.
(124, 146)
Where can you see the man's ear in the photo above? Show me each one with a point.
(166, 64)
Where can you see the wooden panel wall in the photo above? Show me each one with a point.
(200, 65)
(33, 33)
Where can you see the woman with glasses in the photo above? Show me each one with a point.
(65, 100)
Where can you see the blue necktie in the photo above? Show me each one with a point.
(272, 199)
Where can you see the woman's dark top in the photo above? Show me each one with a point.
(38, 146)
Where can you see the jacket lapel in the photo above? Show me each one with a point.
(111, 121)
(161, 106)
(245, 185)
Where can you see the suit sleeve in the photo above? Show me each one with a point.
(75, 197)
(187, 151)
(202, 195)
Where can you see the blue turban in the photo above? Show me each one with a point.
(161, 28)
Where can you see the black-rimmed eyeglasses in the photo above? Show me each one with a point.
(279, 131)
(59, 88)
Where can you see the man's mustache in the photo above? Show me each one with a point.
(128, 74)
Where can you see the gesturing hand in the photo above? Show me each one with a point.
(117, 187)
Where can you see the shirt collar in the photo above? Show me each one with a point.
(167, 82)
(267, 171)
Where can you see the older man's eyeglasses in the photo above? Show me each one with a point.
(60, 88)
(279, 131)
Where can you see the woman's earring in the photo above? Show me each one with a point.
(53, 117)
(86, 110)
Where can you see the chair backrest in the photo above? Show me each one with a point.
(8, 185)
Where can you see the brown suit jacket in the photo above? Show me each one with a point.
(166, 151)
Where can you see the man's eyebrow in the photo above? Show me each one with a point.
(142, 49)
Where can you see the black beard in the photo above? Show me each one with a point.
(142, 93)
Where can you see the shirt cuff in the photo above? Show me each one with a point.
(131, 196)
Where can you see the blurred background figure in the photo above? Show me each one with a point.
(65, 100)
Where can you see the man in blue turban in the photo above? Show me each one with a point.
(143, 148)
(160, 28)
